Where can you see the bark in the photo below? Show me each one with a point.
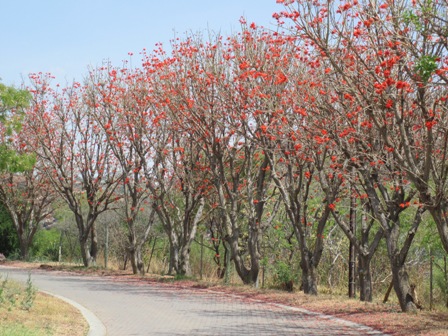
(439, 214)
(85, 252)
(389, 289)
(25, 234)
(174, 258)
(365, 255)
(84, 232)
(135, 256)
(397, 256)
(88, 258)
(179, 258)
(309, 274)
(400, 280)
(184, 267)
(180, 243)
(136, 243)
(93, 245)
(24, 249)
(247, 267)
(248, 275)
(365, 278)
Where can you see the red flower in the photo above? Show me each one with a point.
(244, 65)
(280, 78)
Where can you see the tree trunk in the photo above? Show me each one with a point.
(140, 264)
(389, 289)
(184, 261)
(365, 278)
(85, 252)
(25, 233)
(135, 255)
(190, 228)
(83, 238)
(174, 257)
(151, 254)
(352, 249)
(133, 259)
(132, 249)
(309, 283)
(179, 257)
(438, 213)
(309, 279)
(93, 245)
(249, 276)
(400, 280)
(222, 268)
(24, 248)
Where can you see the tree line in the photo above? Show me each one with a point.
(339, 115)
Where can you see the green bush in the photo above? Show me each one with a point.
(9, 243)
(45, 245)
(284, 277)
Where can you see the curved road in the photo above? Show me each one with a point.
(151, 309)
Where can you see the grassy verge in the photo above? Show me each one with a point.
(25, 312)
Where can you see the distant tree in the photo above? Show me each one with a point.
(12, 104)
(27, 197)
(24, 194)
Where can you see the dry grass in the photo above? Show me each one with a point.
(384, 317)
(47, 316)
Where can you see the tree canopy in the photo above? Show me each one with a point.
(13, 102)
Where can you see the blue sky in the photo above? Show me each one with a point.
(64, 37)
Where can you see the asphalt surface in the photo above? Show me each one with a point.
(152, 309)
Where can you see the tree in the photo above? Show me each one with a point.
(118, 96)
(373, 107)
(75, 156)
(173, 163)
(24, 193)
(28, 199)
(216, 89)
(12, 103)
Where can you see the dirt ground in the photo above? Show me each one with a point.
(384, 317)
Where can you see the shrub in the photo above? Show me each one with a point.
(46, 245)
(284, 276)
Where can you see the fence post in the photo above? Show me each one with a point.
(60, 246)
(352, 251)
(228, 269)
(202, 255)
(430, 279)
(106, 246)
(446, 280)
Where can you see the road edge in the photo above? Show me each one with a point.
(96, 327)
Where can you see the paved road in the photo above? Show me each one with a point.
(151, 309)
